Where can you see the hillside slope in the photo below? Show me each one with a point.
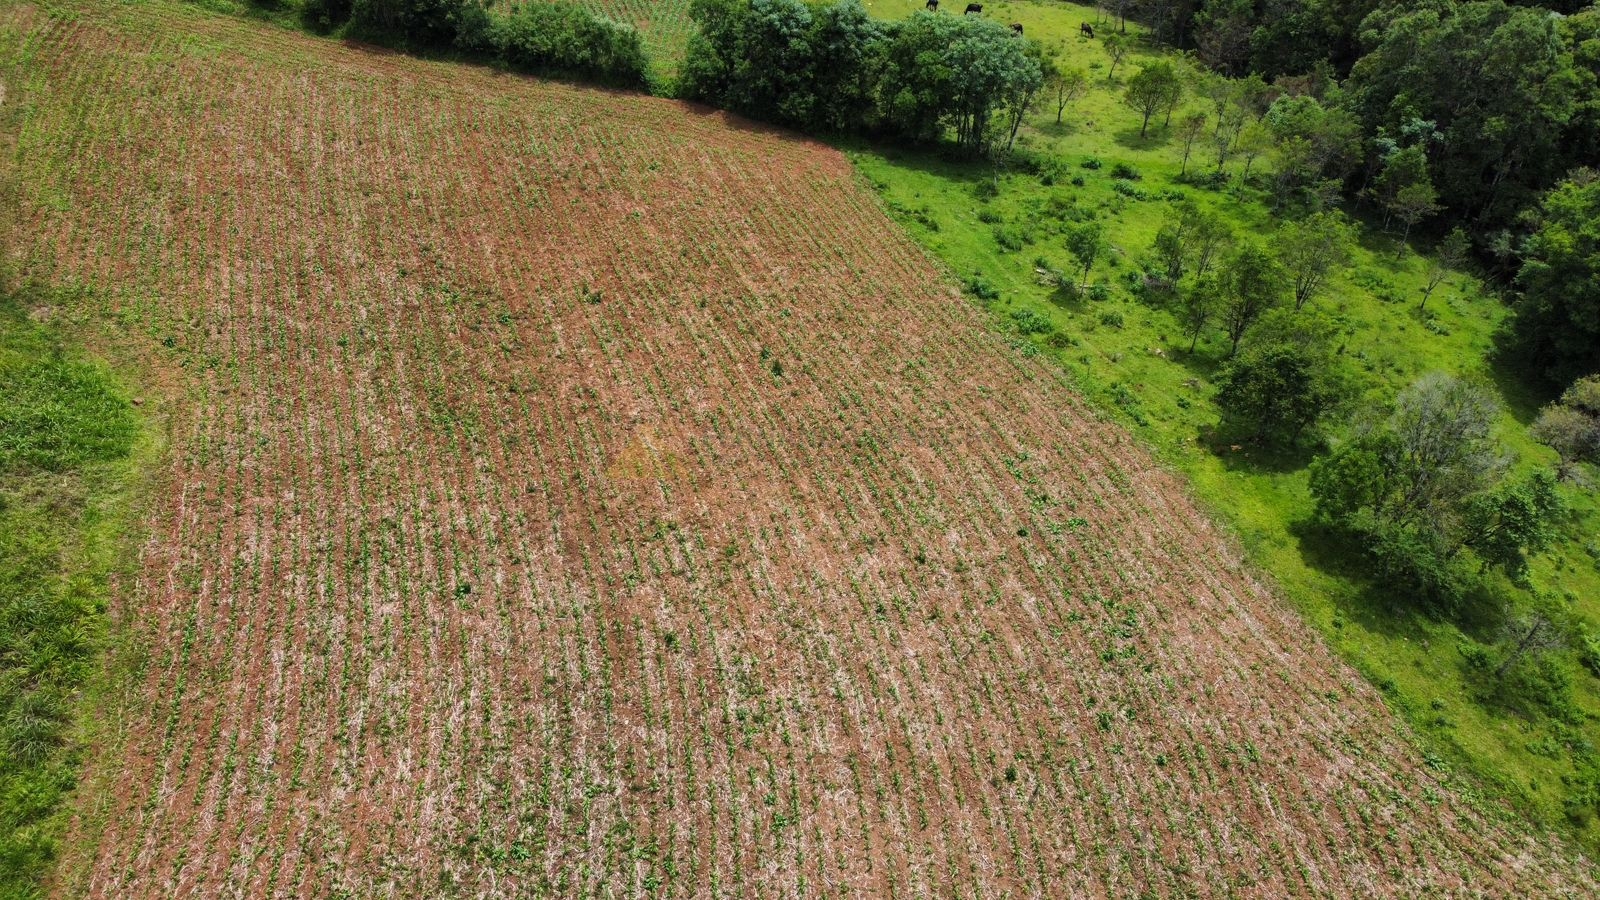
(582, 494)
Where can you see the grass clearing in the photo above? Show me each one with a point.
(72, 454)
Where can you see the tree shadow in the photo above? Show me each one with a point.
(1239, 453)
(1335, 552)
(1153, 139)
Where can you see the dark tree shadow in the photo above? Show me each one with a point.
(1153, 139)
(1239, 452)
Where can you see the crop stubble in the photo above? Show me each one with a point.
(582, 493)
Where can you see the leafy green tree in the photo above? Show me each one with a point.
(845, 43)
(1252, 284)
(1450, 256)
(1222, 33)
(1421, 487)
(1403, 169)
(1504, 526)
(1188, 240)
(1558, 320)
(1312, 144)
(1253, 141)
(1411, 205)
(1020, 93)
(1199, 308)
(1572, 426)
(1189, 131)
(1086, 242)
(1064, 85)
(417, 23)
(1435, 450)
(1277, 392)
(1312, 251)
(1150, 89)
(1499, 83)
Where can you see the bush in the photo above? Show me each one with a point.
(979, 287)
(1127, 189)
(414, 23)
(325, 15)
(1125, 171)
(1010, 237)
(568, 39)
(1030, 322)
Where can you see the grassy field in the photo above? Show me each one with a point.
(1131, 359)
(576, 493)
(72, 454)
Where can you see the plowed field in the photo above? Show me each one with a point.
(581, 494)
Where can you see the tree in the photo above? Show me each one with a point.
(845, 42)
(991, 66)
(1557, 324)
(1086, 242)
(1188, 239)
(1572, 426)
(1312, 250)
(1402, 169)
(1527, 636)
(1416, 490)
(1064, 86)
(1444, 429)
(1312, 143)
(1189, 131)
(1502, 527)
(1210, 236)
(1116, 47)
(1150, 89)
(1411, 205)
(1169, 103)
(1223, 139)
(1020, 92)
(1252, 285)
(1278, 391)
(1498, 82)
(1452, 253)
(1200, 304)
(1254, 139)
(1223, 29)
(421, 23)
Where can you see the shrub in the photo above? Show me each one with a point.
(1030, 322)
(1125, 171)
(568, 39)
(979, 287)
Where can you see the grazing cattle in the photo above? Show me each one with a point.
(1086, 28)
(974, 8)
(1017, 27)
(933, 5)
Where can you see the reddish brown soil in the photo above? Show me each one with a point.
(498, 562)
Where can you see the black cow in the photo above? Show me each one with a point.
(1017, 27)
(1086, 29)
(933, 5)
(974, 8)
